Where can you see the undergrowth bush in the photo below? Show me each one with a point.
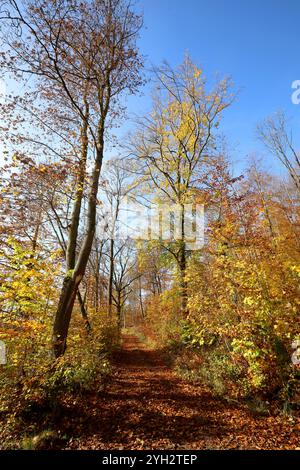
(238, 367)
(32, 381)
(235, 357)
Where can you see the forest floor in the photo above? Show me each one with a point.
(147, 406)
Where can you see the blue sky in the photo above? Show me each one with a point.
(254, 41)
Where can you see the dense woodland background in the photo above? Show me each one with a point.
(225, 315)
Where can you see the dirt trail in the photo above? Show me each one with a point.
(146, 406)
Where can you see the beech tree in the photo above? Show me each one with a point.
(117, 188)
(124, 274)
(84, 56)
(175, 142)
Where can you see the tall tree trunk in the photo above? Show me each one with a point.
(182, 265)
(74, 277)
(97, 287)
(182, 273)
(63, 315)
(119, 308)
(83, 311)
(141, 299)
(111, 276)
(75, 218)
(97, 296)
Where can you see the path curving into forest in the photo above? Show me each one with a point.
(146, 406)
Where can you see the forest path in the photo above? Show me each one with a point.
(146, 406)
